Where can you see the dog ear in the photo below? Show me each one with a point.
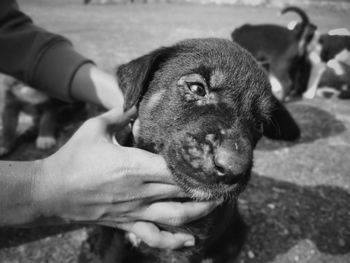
(135, 76)
(282, 125)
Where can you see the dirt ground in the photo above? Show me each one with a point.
(297, 205)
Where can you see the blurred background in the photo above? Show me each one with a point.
(297, 205)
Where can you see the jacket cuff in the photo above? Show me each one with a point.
(56, 68)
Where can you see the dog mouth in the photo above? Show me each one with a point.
(210, 169)
(209, 162)
(215, 191)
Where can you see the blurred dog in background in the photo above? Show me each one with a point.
(281, 51)
(48, 114)
(329, 64)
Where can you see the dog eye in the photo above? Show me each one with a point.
(259, 127)
(197, 89)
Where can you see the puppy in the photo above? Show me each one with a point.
(329, 61)
(280, 49)
(203, 104)
(335, 79)
(44, 110)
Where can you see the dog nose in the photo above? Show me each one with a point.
(231, 163)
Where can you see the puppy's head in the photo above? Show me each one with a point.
(202, 105)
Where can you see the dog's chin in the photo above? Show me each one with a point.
(214, 191)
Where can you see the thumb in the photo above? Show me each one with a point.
(118, 119)
(154, 237)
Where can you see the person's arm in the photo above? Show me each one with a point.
(16, 180)
(89, 179)
(93, 180)
(48, 62)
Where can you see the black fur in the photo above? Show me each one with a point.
(206, 139)
(332, 45)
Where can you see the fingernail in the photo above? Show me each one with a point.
(189, 243)
(132, 111)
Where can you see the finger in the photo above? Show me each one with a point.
(176, 213)
(149, 165)
(145, 196)
(154, 237)
(107, 123)
(118, 119)
(135, 202)
(160, 191)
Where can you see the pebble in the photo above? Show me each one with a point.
(251, 254)
(271, 206)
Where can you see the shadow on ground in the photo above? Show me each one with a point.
(11, 237)
(314, 123)
(281, 214)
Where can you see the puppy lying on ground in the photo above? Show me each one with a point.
(203, 105)
(279, 49)
(335, 79)
(329, 63)
(22, 98)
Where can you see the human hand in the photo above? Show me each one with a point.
(90, 179)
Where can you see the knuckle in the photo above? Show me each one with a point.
(91, 122)
(163, 243)
(154, 242)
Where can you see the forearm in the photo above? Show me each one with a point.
(16, 185)
(48, 62)
(65, 74)
(90, 84)
(30, 195)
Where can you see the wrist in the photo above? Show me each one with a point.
(17, 205)
(46, 192)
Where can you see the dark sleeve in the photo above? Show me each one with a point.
(41, 59)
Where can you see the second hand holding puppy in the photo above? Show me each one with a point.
(126, 195)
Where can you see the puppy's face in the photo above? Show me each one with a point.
(202, 106)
